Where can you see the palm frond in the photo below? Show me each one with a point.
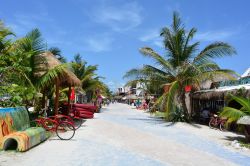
(55, 51)
(214, 50)
(50, 76)
(148, 52)
(242, 101)
(134, 73)
(177, 24)
(170, 98)
(35, 41)
(231, 113)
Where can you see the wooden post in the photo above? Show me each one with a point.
(69, 93)
(57, 96)
(43, 99)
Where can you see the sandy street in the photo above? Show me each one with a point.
(124, 136)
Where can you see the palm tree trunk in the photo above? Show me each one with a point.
(184, 106)
(43, 98)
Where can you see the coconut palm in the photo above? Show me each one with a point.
(182, 64)
(58, 54)
(86, 73)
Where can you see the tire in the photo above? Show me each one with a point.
(211, 123)
(78, 122)
(222, 126)
(65, 131)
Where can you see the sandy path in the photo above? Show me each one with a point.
(122, 136)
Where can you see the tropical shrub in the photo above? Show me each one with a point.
(234, 114)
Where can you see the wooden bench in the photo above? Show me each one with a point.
(15, 130)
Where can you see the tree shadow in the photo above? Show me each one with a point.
(195, 125)
(169, 124)
(238, 138)
(150, 120)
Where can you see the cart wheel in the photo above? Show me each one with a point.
(65, 130)
(211, 123)
(223, 126)
(78, 122)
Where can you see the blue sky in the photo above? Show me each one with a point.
(110, 32)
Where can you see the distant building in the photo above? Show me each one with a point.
(131, 92)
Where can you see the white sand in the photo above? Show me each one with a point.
(103, 141)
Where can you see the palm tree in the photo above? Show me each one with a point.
(181, 64)
(58, 54)
(86, 73)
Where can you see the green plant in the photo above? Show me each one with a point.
(178, 115)
(18, 95)
(234, 114)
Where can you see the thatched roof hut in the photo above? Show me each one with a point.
(47, 61)
(220, 93)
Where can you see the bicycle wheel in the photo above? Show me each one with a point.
(78, 122)
(211, 123)
(223, 126)
(65, 130)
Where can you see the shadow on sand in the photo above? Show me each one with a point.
(149, 120)
(240, 138)
(160, 120)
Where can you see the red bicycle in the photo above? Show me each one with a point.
(64, 130)
(216, 121)
(72, 117)
(73, 120)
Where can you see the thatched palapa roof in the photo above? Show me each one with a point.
(220, 93)
(46, 61)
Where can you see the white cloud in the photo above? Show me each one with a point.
(152, 36)
(214, 35)
(98, 43)
(119, 18)
(149, 36)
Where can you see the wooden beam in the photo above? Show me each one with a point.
(43, 98)
(57, 96)
(69, 106)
